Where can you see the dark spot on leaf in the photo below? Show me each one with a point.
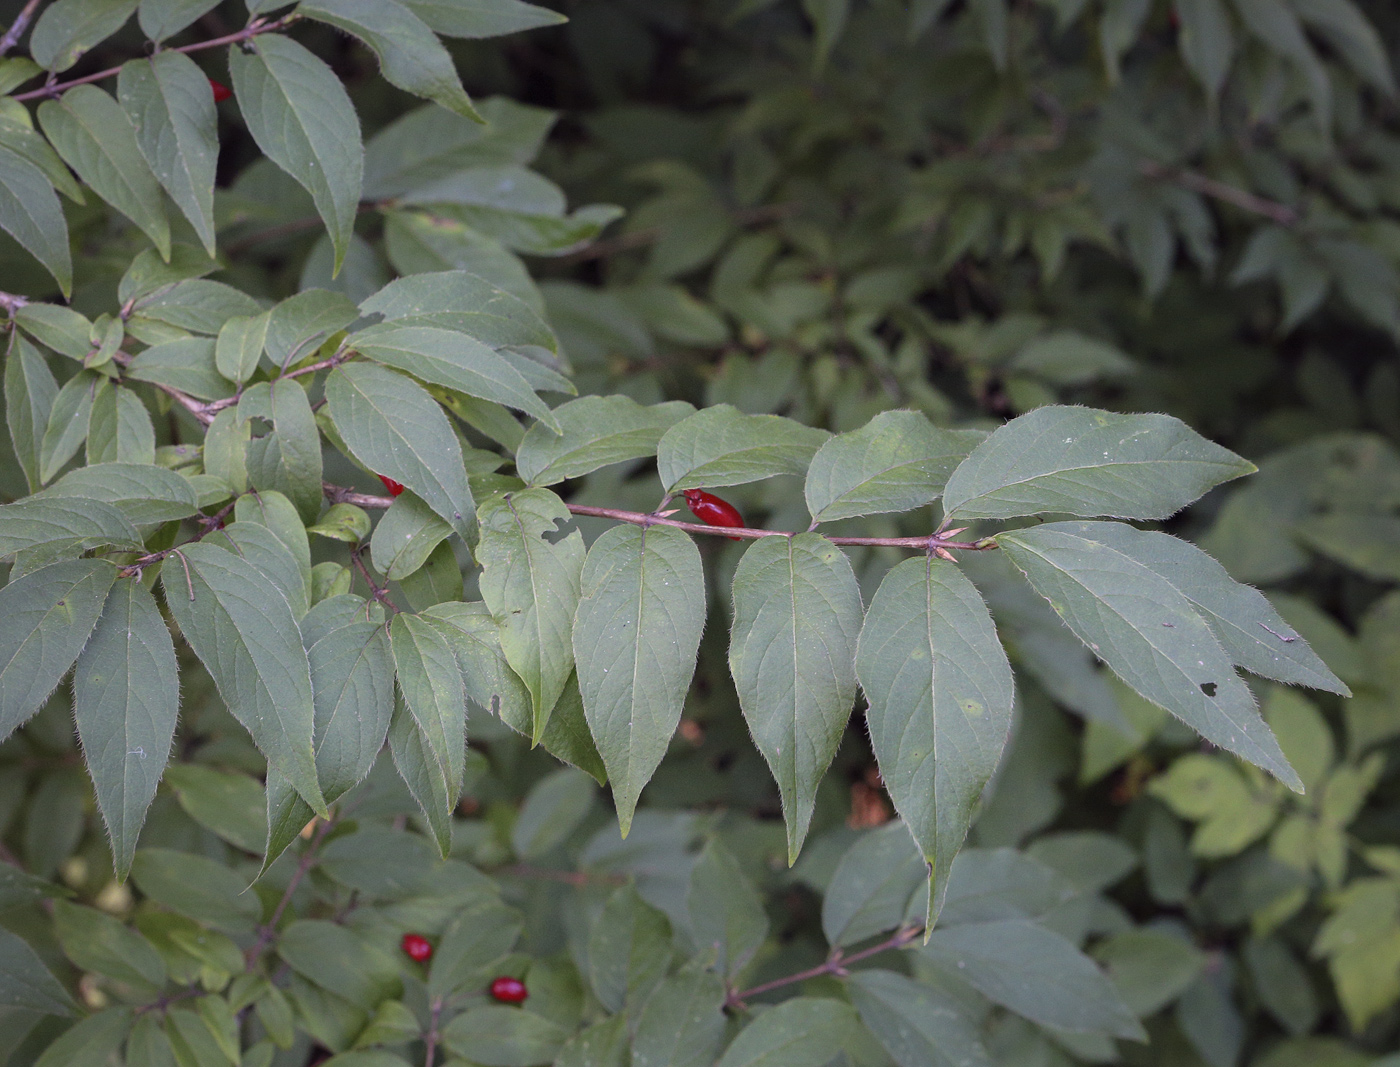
(1208, 688)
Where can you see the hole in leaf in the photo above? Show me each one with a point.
(1208, 688)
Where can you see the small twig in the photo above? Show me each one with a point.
(268, 931)
(17, 28)
(430, 1040)
(1241, 198)
(12, 302)
(380, 593)
(836, 964)
(53, 89)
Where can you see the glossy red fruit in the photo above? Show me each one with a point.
(509, 990)
(394, 487)
(417, 947)
(713, 511)
(221, 91)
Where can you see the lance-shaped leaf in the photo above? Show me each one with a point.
(93, 135)
(919, 1026)
(433, 694)
(288, 460)
(143, 492)
(465, 302)
(301, 117)
(682, 1023)
(68, 28)
(171, 106)
(68, 422)
(258, 545)
(797, 617)
(240, 346)
(1082, 461)
(446, 357)
(423, 775)
(594, 431)
(30, 390)
(895, 462)
(241, 627)
(531, 586)
(287, 815)
(495, 19)
(62, 526)
(1253, 633)
(1149, 634)
(803, 1030)
(25, 983)
(120, 429)
(722, 446)
(725, 909)
(126, 695)
(32, 215)
(940, 694)
(392, 426)
(410, 55)
(640, 616)
(160, 19)
(406, 536)
(45, 619)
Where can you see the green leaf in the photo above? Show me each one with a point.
(242, 628)
(160, 19)
(1035, 973)
(68, 28)
(444, 357)
(432, 691)
(95, 941)
(288, 460)
(17, 133)
(628, 950)
(1149, 634)
(1352, 34)
(286, 815)
(940, 695)
(94, 136)
(196, 304)
(473, 18)
(725, 910)
(497, 1036)
(919, 1026)
(594, 431)
(197, 887)
(186, 364)
(258, 545)
(1081, 461)
(797, 1033)
(68, 422)
(682, 1023)
(1252, 632)
(31, 214)
(335, 958)
(278, 514)
(45, 620)
(1001, 883)
(345, 522)
(300, 324)
(722, 446)
(870, 889)
(57, 327)
(1363, 541)
(392, 426)
(1206, 42)
(171, 106)
(477, 938)
(895, 462)
(406, 535)
(552, 811)
(1149, 968)
(144, 493)
(126, 696)
(531, 586)
(30, 391)
(120, 429)
(410, 55)
(240, 346)
(148, 273)
(461, 301)
(91, 1042)
(797, 616)
(62, 527)
(301, 117)
(604, 1044)
(25, 983)
(229, 803)
(636, 633)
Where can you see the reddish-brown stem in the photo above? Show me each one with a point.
(17, 28)
(268, 931)
(380, 593)
(249, 31)
(836, 963)
(430, 1040)
(1241, 198)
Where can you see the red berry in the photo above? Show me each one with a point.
(394, 487)
(417, 947)
(509, 990)
(221, 91)
(713, 511)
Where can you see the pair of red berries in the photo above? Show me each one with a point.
(505, 989)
